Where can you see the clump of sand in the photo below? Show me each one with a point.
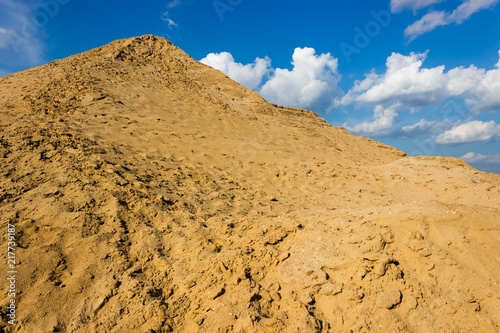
(151, 193)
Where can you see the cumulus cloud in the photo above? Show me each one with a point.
(472, 131)
(403, 81)
(435, 19)
(407, 83)
(421, 127)
(383, 124)
(480, 158)
(312, 83)
(249, 75)
(400, 5)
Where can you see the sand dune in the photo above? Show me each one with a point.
(151, 193)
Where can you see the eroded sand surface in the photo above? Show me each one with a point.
(151, 193)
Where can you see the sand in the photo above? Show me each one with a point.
(151, 193)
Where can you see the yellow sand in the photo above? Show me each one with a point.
(151, 193)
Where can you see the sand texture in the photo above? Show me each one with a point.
(151, 193)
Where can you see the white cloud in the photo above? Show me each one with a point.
(425, 127)
(170, 22)
(312, 83)
(166, 17)
(399, 5)
(249, 75)
(421, 127)
(469, 7)
(383, 125)
(24, 52)
(472, 131)
(427, 23)
(5, 38)
(20, 36)
(435, 19)
(407, 83)
(475, 158)
(174, 3)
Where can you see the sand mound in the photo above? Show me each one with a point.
(151, 193)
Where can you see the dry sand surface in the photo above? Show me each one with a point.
(151, 193)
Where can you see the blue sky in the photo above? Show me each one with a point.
(423, 76)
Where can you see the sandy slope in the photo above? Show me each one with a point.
(151, 193)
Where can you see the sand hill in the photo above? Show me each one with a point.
(151, 193)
